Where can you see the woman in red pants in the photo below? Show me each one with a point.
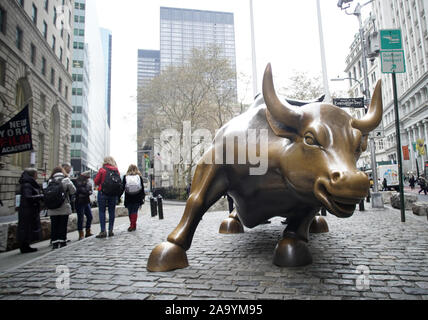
(134, 194)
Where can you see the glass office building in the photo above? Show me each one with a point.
(148, 68)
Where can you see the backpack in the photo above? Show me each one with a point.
(54, 194)
(133, 185)
(112, 185)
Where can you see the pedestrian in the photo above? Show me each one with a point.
(83, 204)
(59, 216)
(108, 182)
(385, 184)
(412, 182)
(423, 185)
(29, 227)
(133, 185)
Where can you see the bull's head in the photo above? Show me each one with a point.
(326, 143)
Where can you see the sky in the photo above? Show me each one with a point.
(286, 35)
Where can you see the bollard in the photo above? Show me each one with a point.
(160, 207)
(323, 212)
(153, 207)
(361, 204)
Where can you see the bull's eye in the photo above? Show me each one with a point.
(310, 139)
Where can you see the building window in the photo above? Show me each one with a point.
(42, 103)
(40, 152)
(60, 54)
(53, 43)
(68, 65)
(55, 15)
(21, 2)
(45, 30)
(2, 72)
(60, 85)
(52, 76)
(43, 66)
(3, 16)
(34, 14)
(33, 54)
(68, 40)
(19, 36)
(66, 93)
(46, 5)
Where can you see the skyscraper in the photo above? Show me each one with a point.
(148, 68)
(90, 140)
(182, 30)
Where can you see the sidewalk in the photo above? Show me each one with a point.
(392, 254)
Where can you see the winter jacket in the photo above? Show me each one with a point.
(29, 209)
(83, 191)
(134, 198)
(69, 189)
(101, 175)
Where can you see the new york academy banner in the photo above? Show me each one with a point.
(15, 135)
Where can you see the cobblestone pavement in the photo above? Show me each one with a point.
(372, 245)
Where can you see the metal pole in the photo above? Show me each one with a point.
(253, 50)
(323, 60)
(377, 201)
(397, 128)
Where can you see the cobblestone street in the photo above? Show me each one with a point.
(392, 254)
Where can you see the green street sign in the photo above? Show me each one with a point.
(392, 61)
(390, 39)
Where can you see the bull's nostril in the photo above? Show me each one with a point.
(335, 176)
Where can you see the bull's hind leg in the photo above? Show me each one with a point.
(208, 185)
(292, 250)
(231, 225)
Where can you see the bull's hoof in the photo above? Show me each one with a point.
(167, 256)
(231, 226)
(292, 252)
(318, 225)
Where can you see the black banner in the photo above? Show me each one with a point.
(349, 102)
(15, 135)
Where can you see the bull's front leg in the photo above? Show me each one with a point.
(208, 185)
(292, 250)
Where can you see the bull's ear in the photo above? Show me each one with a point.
(364, 142)
(279, 128)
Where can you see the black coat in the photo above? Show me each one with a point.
(83, 191)
(29, 227)
(134, 198)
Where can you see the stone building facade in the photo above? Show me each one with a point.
(412, 87)
(35, 63)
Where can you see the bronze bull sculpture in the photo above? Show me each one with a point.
(312, 155)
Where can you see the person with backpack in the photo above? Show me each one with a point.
(82, 203)
(57, 200)
(134, 194)
(110, 188)
(29, 227)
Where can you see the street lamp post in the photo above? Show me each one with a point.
(377, 201)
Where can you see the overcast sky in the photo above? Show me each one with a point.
(286, 34)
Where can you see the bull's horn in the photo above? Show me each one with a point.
(280, 112)
(374, 115)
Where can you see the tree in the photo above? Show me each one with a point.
(201, 92)
(303, 87)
